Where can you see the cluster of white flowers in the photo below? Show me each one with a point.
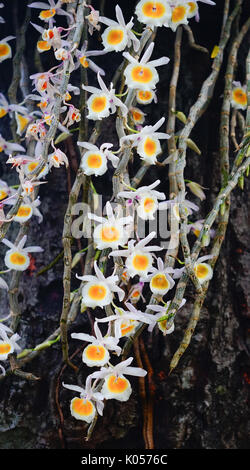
(169, 13)
(113, 231)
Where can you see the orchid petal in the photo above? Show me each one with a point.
(147, 54)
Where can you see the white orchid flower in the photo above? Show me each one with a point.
(98, 290)
(160, 280)
(145, 97)
(135, 293)
(118, 35)
(147, 141)
(147, 199)
(162, 313)
(103, 101)
(8, 344)
(239, 96)
(51, 37)
(97, 353)
(57, 158)
(17, 257)
(180, 12)
(27, 209)
(83, 59)
(139, 258)
(203, 271)
(94, 161)
(141, 74)
(127, 320)
(49, 11)
(5, 49)
(93, 20)
(85, 407)
(154, 13)
(137, 116)
(112, 231)
(115, 384)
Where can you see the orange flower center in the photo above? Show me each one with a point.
(45, 14)
(142, 74)
(22, 122)
(55, 157)
(115, 36)
(136, 294)
(17, 258)
(3, 112)
(5, 348)
(144, 95)
(4, 49)
(32, 166)
(140, 262)
(136, 115)
(97, 292)
(201, 270)
(94, 160)
(43, 46)
(3, 194)
(109, 234)
(162, 325)
(149, 204)
(84, 62)
(117, 384)
(178, 13)
(82, 407)
(24, 211)
(192, 6)
(127, 327)
(67, 96)
(240, 96)
(95, 353)
(99, 103)
(149, 147)
(196, 232)
(153, 9)
(159, 281)
(48, 119)
(29, 189)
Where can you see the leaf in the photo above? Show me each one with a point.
(62, 137)
(222, 208)
(181, 116)
(215, 52)
(241, 182)
(76, 259)
(192, 145)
